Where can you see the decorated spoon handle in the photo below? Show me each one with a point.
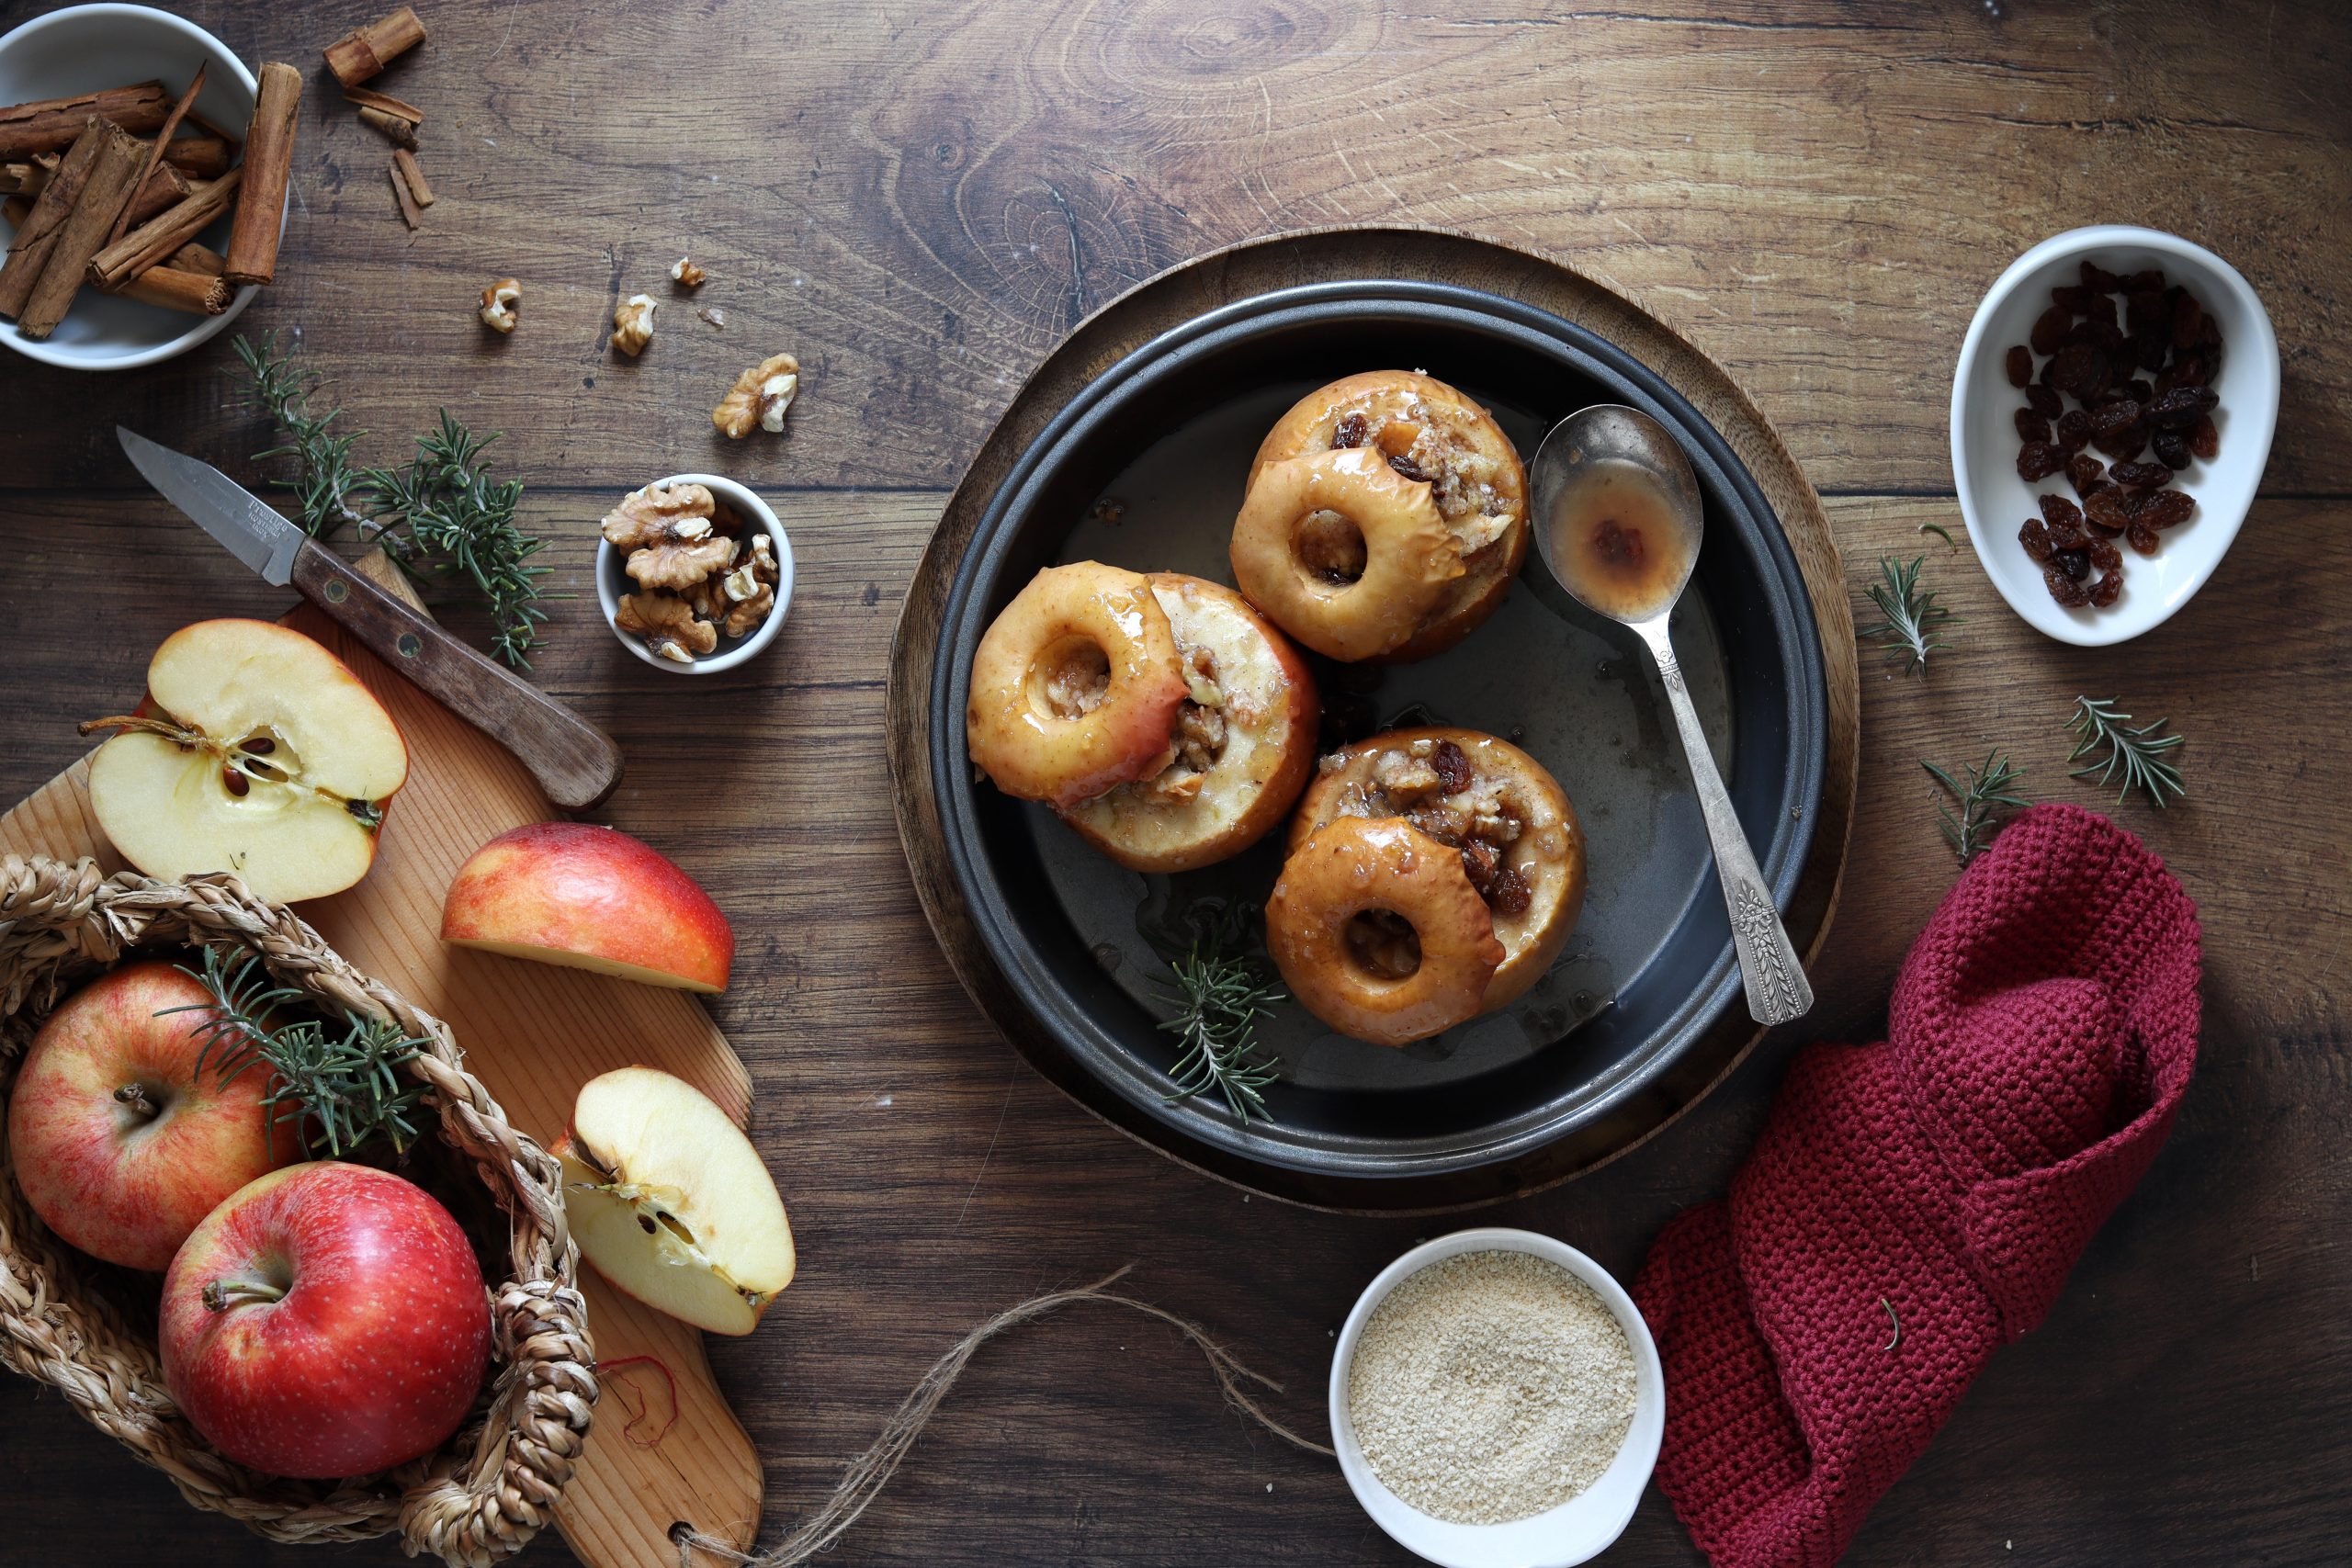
(1777, 989)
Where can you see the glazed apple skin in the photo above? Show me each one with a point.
(373, 1349)
(107, 1178)
(590, 898)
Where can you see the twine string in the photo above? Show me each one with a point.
(870, 1471)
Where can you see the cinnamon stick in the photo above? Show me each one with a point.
(26, 178)
(193, 257)
(156, 151)
(113, 179)
(165, 187)
(200, 157)
(398, 131)
(163, 234)
(269, 161)
(36, 234)
(404, 164)
(45, 127)
(363, 51)
(16, 210)
(390, 104)
(192, 292)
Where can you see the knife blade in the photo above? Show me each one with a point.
(575, 763)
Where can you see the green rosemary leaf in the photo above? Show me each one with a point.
(2136, 756)
(1220, 993)
(1912, 619)
(1941, 532)
(1989, 793)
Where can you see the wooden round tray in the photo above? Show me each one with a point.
(1324, 256)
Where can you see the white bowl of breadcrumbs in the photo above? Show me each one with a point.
(1496, 1402)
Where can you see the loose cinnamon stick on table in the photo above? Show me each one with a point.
(410, 213)
(363, 51)
(404, 166)
(194, 292)
(269, 161)
(193, 257)
(201, 157)
(53, 123)
(368, 99)
(164, 234)
(180, 106)
(114, 177)
(36, 236)
(398, 131)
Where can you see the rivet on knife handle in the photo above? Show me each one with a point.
(575, 762)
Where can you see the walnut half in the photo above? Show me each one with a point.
(633, 324)
(668, 624)
(498, 302)
(760, 396)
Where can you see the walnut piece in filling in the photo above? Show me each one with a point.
(1418, 445)
(1432, 784)
(1199, 739)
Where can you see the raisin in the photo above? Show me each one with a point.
(2073, 430)
(2141, 476)
(2123, 444)
(2104, 556)
(2151, 281)
(1351, 432)
(2141, 538)
(2057, 511)
(2075, 564)
(2146, 307)
(2078, 368)
(1453, 767)
(2137, 391)
(2031, 426)
(2149, 347)
(2069, 297)
(2161, 509)
(2106, 334)
(2107, 511)
(2109, 589)
(2110, 419)
(1508, 895)
(2063, 588)
(2183, 406)
(2066, 536)
(1403, 464)
(2205, 437)
(2020, 366)
(2035, 537)
(2098, 280)
(2188, 321)
(1480, 861)
(2084, 472)
(2037, 460)
(2050, 329)
(2171, 450)
(2045, 401)
(2190, 371)
(2209, 337)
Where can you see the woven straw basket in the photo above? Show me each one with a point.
(68, 1320)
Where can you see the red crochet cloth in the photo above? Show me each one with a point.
(2043, 1030)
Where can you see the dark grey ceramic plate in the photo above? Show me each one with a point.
(1165, 439)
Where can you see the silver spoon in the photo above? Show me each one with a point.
(1618, 521)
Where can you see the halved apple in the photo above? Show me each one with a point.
(671, 1203)
(256, 751)
(590, 898)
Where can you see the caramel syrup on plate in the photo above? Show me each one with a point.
(1616, 543)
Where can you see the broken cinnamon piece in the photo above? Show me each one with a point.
(26, 179)
(269, 161)
(363, 51)
(398, 131)
(404, 164)
(54, 123)
(148, 244)
(195, 293)
(170, 125)
(193, 257)
(16, 210)
(114, 175)
(201, 157)
(410, 213)
(166, 187)
(385, 102)
(36, 234)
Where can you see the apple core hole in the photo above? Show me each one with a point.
(1070, 677)
(1383, 944)
(1330, 547)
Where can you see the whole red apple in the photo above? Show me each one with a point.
(120, 1143)
(328, 1320)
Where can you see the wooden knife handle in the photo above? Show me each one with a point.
(575, 762)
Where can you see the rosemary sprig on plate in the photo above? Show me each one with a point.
(338, 1090)
(1220, 993)
(2135, 756)
(1989, 792)
(1912, 617)
(441, 516)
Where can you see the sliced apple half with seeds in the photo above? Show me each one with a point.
(256, 751)
(672, 1203)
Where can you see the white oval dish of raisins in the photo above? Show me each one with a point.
(2111, 417)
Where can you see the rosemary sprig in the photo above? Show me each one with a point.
(2136, 756)
(337, 1090)
(1220, 993)
(1990, 791)
(441, 516)
(1913, 618)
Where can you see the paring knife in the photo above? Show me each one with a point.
(576, 764)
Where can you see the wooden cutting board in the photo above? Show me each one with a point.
(533, 1033)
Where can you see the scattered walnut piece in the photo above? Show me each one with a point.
(668, 624)
(760, 396)
(684, 274)
(633, 324)
(498, 302)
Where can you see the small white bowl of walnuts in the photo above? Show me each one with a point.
(695, 573)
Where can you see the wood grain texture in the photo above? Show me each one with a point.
(920, 201)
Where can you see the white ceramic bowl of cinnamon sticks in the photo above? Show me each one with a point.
(134, 64)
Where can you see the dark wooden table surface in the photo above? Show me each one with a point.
(919, 200)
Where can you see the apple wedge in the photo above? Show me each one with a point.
(668, 1199)
(589, 898)
(256, 751)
